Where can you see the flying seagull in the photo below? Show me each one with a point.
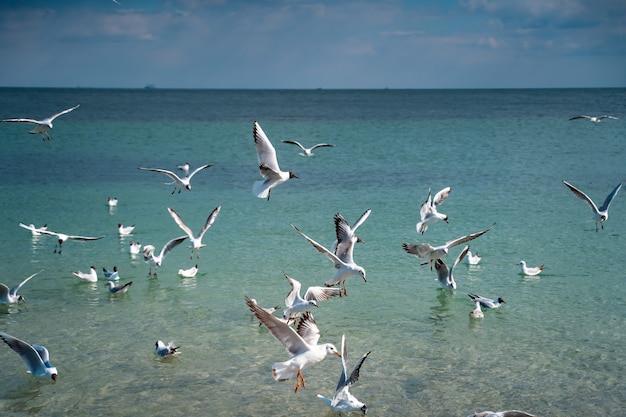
(42, 126)
(36, 357)
(179, 183)
(268, 165)
(156, 260)
(594, 119)
(196, 241)
(600, 215)
(10, 295)
(428, 211)
(62, 237)
(307, 151)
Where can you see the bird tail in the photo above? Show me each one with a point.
(282, 372)
(260, 190)
(421, 227)
(326, 400)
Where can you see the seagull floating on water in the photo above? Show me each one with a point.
(297, 304)
(487, 302)
(43, 126)
(594, 119)
(125, 230)
(118, 289)
(111, 275)
(196, 241)
(156, 260)
(600, 215)
(471, 259)
(509, 413)
(10, 295)
(179, 183)
(268, 165)
(343, 401)
(134, 247)
(61, 237)
(301, 344)
(477, 313)
(91, 276)
(35, 231)
(445, 276)
(430, 253)
(188, 273)
(344, 267)
(428, 211)
(36, 357)
(530, 271)
(166, 350)
(307, 151)
(112, 201)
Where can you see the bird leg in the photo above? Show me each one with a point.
(299, 378)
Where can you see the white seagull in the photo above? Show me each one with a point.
(349, 234)
(344, 267)
(508, 413)
(43, 126)
(134, 247)
(188, 273)
(342, 400)
(530, 271)
(487, 302)
(156, 260)
(111, 275)
(301, 344)
(477, 313)
(445, 276)
(112, 201)
(600, 215)
(36, 357)
(196, 241)
(10, 295)
(430, 253)
(125, 230)
(297, 304)
(62, 237)
(472, 259)
(118, 289)
(428, 211)
(91, 276)
(184, 167)
(307, 151)
(166, 350)
(179, 183)
(594, 119)
(35, 231)
(268, 165)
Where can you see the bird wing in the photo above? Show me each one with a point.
(610, 197)
(321, 293)
(307, 329)
(322, 145)
(361, 220)
(16, 288)
(345, 239)
(4, 291)
(84, 238)
(426, 207)
(200, 168)
(441, 196)
(463, 239)
(209, 221)
(461, 256)
(582, 196)
(292, 341)
(295, 142)
(582, 116)
(28, 354)
(334, 258)
(295, 290)
(169, 173)
(23, 120)
(43, 354)
(442, 271)
(171, 245)
(265, 150)
(180, 223)
(54, 116)
(421, 250)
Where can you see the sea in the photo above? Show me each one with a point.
(555, 349)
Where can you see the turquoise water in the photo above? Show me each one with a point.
(555, 349)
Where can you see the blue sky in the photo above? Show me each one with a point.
(313, 43)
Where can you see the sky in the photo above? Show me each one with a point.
(313, 43)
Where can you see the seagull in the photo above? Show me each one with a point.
(477, 313)
(270, 310)
(184, 167)
(509, 413)
(600, 215)
(125, 230)
(344, 267)
(301, 344)
(112, 201)
(111, 275)
(530, 271)
(296, 304)
(36, 357)
(43, 126)
(350, 235)
(35, 231)
(444, 275)
(472, 259)
(166, 350)
(179, 183)
(10, 295)
(342, 400)
(134, 247)
(91, 276)
(118, 289)
(157, 260)
(307, 151)
(487, 302)
(196, 241)
(594, 119)
(188, 273)
(428, 211)
(424, 250)
(268, 165)
(62, 237)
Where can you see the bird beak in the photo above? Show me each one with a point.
(337, 353)
(54, 377)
